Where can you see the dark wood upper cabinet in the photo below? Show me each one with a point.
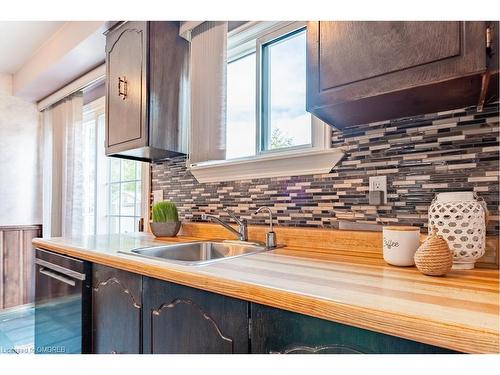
(183, 320)
(146, 66)
(360, 72)
(116, 311)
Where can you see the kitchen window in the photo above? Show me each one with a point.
(124, 191)
(284, 120)
(268, 130)
(276, 119)
(112, 195)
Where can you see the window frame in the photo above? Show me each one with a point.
(316, 157)
(252, 38)
(120, 183)
(91, 112)
(286, 30)
(102, 201)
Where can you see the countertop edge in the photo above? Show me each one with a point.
(409, 327)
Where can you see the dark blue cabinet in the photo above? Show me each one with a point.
(279, 331)
(178, 320)
(164, 317)
(116, 311)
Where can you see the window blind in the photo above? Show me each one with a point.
(207, 139)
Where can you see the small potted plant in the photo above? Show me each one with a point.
(165, 219)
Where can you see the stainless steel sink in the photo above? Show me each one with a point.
(198, 253)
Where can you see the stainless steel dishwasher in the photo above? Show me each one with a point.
(62, 304)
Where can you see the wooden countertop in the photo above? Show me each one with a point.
(459, 311)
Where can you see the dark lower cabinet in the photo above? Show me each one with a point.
(116, 311)
(179, 319)
(138, 314)
(279, 331)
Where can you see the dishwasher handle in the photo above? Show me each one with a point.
(60, 269)
(57, 276)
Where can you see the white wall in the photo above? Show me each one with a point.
(76, 48)
(5, 84)
(20, 167)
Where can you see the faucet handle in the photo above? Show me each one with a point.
(234, 217)
(270, 236)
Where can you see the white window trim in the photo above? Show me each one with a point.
(283, 164)
(318, 158)
(278, 30)
(97, 108)
(92, 111)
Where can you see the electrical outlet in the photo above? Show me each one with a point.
(379, 183)
(157, 196)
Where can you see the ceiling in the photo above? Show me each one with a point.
(21, 39)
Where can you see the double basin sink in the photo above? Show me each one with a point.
(198, 252)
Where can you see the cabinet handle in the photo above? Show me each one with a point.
(488, 39)
(122, 87)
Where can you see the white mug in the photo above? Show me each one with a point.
(400, 245)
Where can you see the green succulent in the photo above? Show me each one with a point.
(164, 211)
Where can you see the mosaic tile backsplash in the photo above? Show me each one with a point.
(456, 150)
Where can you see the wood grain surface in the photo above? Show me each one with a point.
(341, 278)
(17, 266)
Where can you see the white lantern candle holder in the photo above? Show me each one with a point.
(460, 217)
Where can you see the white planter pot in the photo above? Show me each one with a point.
(460, 217)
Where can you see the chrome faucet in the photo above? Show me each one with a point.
(241, 233)
(270, 235)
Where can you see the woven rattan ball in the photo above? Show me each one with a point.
(434, 257)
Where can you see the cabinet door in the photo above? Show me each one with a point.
(178, 319)
(354, 61)
(279, 331)
(126, 62)
(116, 311)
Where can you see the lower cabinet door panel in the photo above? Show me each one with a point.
(137, 314)
(279, 331)
(116, 311)
(179, 319)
